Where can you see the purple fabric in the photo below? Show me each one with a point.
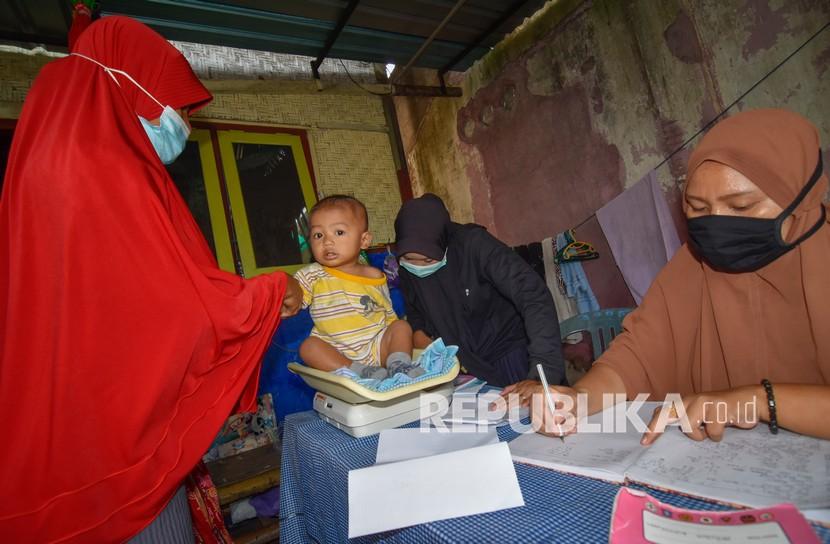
(640, 232)
(390, 268)
(267, 505)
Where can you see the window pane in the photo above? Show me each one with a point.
(5, 145)
(187, 174)
(274, 203)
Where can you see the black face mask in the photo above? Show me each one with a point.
(745, 244)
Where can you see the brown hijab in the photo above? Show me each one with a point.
(699, 329)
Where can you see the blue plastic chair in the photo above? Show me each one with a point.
(603, 325)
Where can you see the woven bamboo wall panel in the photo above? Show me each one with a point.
(360, 164)
(16, 74)
(302, 110)
(354, 157)
(216, 62)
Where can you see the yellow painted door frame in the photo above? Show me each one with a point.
(237, 203)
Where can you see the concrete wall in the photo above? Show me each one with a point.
(587, 97)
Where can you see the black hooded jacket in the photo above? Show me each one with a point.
(488, 301)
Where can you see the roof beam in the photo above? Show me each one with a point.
(341, 23)
(424, 90)
(429, 40)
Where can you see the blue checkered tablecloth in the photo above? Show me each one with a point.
(316, 460)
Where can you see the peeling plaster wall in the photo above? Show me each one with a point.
(437, 168)
(553, 126)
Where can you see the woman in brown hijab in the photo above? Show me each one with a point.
(746, 301)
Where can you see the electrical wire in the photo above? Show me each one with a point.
(730, 106)
(726, 109)
(358, 84)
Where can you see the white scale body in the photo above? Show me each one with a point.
(369, 418)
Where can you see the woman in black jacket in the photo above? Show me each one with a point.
(463, 285)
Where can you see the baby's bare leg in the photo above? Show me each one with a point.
(396, 350)
(396, 338)
(320, 355)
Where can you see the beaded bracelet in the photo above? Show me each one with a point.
(773, 417)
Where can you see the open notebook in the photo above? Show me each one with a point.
(747, 468)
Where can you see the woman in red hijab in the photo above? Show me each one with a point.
(123, 347)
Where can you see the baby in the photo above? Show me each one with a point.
(354, 323)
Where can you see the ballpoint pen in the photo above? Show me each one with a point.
(548, 398)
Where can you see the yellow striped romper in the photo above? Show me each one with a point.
(350, 312)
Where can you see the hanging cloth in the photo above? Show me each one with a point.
(576, 282)
(640, 231)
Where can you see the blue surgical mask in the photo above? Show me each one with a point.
(422, 271)
(169, 137)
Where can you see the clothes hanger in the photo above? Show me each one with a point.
(575, 250)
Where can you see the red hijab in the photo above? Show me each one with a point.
(123, 348)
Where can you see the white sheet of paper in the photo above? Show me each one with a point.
(403, 444)
(749, 467)
(597, 455)
(396, 495)
(605, 456)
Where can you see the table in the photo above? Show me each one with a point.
(316, 460)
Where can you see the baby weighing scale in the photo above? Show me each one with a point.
(360, 411)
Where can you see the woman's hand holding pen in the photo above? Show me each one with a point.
(531, 393)
(561, 423)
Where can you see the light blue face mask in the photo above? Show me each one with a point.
(422, 271)
(170, 136)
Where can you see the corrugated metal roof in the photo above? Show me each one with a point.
(386, 31)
